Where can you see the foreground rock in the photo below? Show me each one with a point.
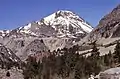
(13, 73)
(113, 73)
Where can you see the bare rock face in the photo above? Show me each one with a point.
(8, 58)
(34, 47)
(112, 73)
(109, 26)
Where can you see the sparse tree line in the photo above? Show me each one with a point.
(66, 62)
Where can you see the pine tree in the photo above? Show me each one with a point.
(95, 59)
(117, 53)
(95, 51)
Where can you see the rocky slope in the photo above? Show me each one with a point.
(108, 27)
(105, 34)
(8, 58)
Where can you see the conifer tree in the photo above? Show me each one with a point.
(117, 53)
(95, 51)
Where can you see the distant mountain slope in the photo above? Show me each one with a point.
(59, 24)
(58, 30)
(106, 34)
(109, 26)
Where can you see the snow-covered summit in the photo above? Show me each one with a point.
(62, 23)
(67, 18)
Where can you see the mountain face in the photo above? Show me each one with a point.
(109, 26)
(59, 24)
(58, 30)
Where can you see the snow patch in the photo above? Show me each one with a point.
(15, 60)
(9, 53)
(20, 28)
(49, 18)
(85, 27)
(8, 31)
(39, 23)
(11, 58)
(27, 27)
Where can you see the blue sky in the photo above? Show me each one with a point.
(14, 13)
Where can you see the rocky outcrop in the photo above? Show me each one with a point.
(113, 73)
(108, 26)
(8, 58)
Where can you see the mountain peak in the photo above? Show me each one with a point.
(66, 19)
(65, 12)
(62, 23)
